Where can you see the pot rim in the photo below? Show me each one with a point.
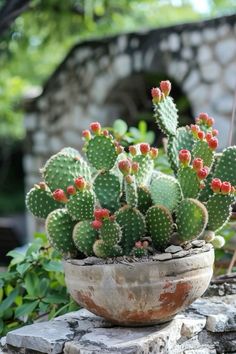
(78, 262)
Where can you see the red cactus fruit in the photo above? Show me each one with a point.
(86, 134)
(216, 185)
(203, 117)
(144, 148)
(215, 132)
(105, 132)
(71, 190)
(80, 183)
(203, 173)
(156, 94)
(96, 224)
(165, 87)
(125, 166)
(105, 213)
(138, 244)
(96, 128)
(201, 135)
(184, 157)
(153, 152)
(210, 121)
(132, 150)
(225, 188)
(197, 164)
(60, 196)
(135, 167)
(213, 143)
(208, 136)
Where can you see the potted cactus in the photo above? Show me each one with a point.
(137, 243)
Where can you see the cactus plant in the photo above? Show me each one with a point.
(117, 204)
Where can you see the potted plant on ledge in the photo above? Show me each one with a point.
(137, 243)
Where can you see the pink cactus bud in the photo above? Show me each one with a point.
(165, 87)
(96, 224)
(203, 173)
(60, 196)
(71, 190)
(105, 132)
(138, 244)
(203, 117)
(119, 149)
(197, 164)
(96, 128)
(97, 214)
(156, 95)
(216, 185)
(132, 150)
(125, 166)
(80, 183)
(215, 132)
(226, 188)
(86, 134)
(201, 135)
(135, 167)
(153, 153)
(195, 129)
(210, 121)
(184, 157)
(42, 185)
(144, 148)
(213, 143)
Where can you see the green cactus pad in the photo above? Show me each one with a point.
(61, 170)
(133, 227)
(144, 199)
(40, 202)
(81, 205)
(166, 115)
(182, 140)
(166, 191)
(202, 150)
(191, 219)
(139, 252)
(226, 166)
(101, 152)
(84, 237)
(189, 182)
(108, 189)
(159, 225)
(146, 166)
(131, 194)
(59, 228)
(70, 152)
(102, 250)
(219, 210)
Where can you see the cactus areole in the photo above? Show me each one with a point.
(112, 204)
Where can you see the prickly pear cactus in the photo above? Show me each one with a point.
(118, 203)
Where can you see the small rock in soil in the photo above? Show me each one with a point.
(173, 249)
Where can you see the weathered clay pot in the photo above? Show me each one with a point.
(140, 293)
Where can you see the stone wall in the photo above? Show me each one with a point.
(200, 57)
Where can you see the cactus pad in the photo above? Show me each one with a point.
(202, 150)
(84, 237)
(226, 166)
(132, 224)
(70, 152)
(166, 115)
(146, 166)
(191, 219)
(131, 194)
(110, 235)
(182, 140)
(159, 225)
(107, 188)
(59, 228)
(61, 170)
(40, 202)
(101, 152)
(189, 182)
(102, 250)
(81, 205)
(219, 210)
(144, 199)
(166, 191)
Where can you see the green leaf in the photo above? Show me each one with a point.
(32, 284)
(26, 309)
(15, 254)
(142, 126)
(53, 266)
(34, 247)
(56, 299)
(41, 236)
(120, 127)
(6, 303)
(44, 286)
(22, 268)
(1, 325)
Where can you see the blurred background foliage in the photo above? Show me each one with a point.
(40, 32)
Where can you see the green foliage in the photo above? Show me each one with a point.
(33, 286)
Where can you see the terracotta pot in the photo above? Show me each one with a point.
(140, 294)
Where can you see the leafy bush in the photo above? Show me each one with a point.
(33, 286)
